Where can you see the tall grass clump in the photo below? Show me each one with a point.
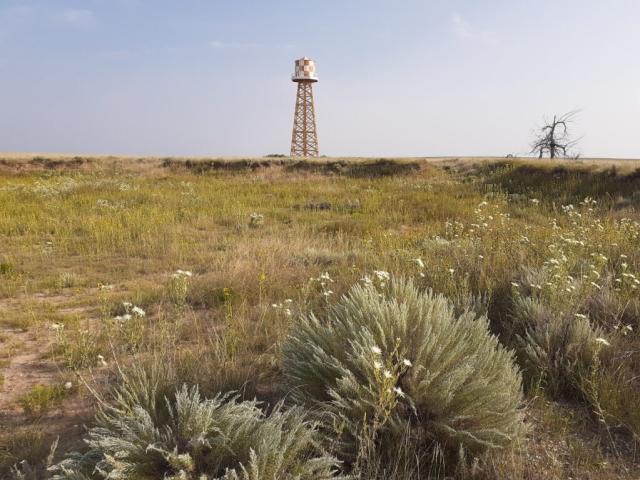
(148, 435)
(387, 362)
(558, 351)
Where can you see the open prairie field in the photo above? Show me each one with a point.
(472, 318)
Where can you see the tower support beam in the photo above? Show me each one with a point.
(304, 140)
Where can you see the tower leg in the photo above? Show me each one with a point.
(304, 140)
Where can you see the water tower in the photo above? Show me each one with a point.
(304, 141)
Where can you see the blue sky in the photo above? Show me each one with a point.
(404, 77)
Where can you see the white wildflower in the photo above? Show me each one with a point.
(377, 365)
(407, 362)
(255, 220)
(376, 350)
(325, 276)
(183, 273)
(398, 391)
(387, 374)
(68, 385)
(382, 275)
(122, 318)
(367, 281)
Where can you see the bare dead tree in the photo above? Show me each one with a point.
(554, 138)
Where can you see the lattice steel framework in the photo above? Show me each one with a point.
(304, 141)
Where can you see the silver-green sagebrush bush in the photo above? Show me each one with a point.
(385, 361)
(558, 351)
(188, 437)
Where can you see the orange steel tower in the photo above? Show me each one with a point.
(304, 140)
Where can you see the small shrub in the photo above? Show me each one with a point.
(409, 462)
(184, 436)
(613, 395)
(214, 370)
(76, 348)
(393, 360)
(41, 398)
(557, 351)
(208, 366)
(178, 287)
(25, 455)
(6, 269)
(67, 280)
(256, 220)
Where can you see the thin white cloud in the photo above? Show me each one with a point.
(76, 17)
(464, 30)
(461, 27)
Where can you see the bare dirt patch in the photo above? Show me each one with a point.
(26, 368)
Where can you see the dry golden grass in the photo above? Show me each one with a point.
(81, 236)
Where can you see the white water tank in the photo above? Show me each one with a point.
(305, 70)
